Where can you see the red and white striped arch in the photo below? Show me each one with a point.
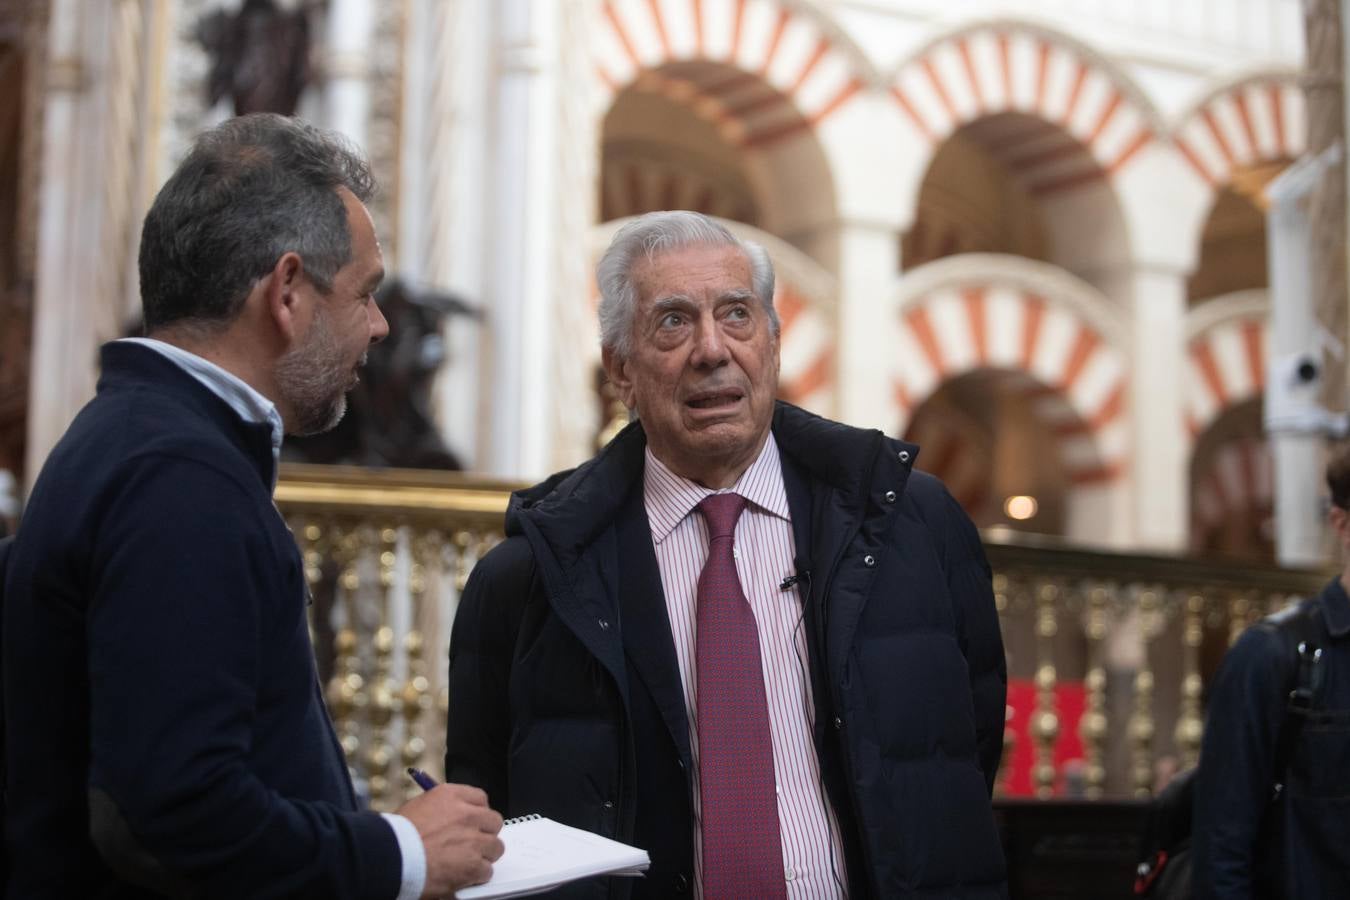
(977, 322)
(1018, 68)
(1226, 361)
(1257, 120)
(808, 65)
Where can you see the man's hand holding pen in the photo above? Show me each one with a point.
(459, 832)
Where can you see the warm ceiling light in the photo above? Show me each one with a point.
(1020, 507)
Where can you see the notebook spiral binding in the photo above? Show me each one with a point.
(519, 819)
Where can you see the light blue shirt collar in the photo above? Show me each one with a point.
(250, 405)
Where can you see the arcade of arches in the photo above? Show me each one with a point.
(702, 134)
(999, 140)
(989, 235)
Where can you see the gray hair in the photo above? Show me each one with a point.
(250, 190)
(658, 232)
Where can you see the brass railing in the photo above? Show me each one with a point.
(388, 552)
(386, 555)
(1140, 635)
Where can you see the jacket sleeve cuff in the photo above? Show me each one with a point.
(414, 878)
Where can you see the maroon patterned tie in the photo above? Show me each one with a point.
(742, 849)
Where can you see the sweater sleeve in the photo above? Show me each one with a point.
(182, 620)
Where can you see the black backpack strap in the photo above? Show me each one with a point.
(1304, 632)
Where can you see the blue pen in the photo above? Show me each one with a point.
(424, 781)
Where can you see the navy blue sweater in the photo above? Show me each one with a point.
(164, 726)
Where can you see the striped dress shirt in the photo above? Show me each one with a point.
(813, 860)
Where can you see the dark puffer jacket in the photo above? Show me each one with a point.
(565, 692)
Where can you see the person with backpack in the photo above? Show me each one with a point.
(1272, 793)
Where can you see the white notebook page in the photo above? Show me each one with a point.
(542, 854)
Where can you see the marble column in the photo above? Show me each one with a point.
(99, 149)
(864, 254)
(346, 68)
(869, 262)
(63, 365)
(443, 194)
(1157, 462)
(519, 402)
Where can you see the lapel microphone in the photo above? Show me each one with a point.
(792, 580)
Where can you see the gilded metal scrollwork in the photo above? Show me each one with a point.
(416, 694)
(1142, 724)
(347, 689)
(1045, 725)
(383, 688)
(1092, 727)
(1190, 725)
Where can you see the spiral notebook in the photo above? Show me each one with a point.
(542, 854)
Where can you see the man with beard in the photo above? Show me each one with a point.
(165, 733)
(752, 641)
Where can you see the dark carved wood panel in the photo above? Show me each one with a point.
(1062, 849)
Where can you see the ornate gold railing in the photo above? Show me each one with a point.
(1139, 636)
(1109, 651)
(386, 556)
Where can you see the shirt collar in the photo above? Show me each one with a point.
(669, 498)
(246, 402)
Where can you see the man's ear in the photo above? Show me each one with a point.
(1338, 519)
(777, 357)
(616, 370)
(283, 302)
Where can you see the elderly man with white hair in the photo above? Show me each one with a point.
(752, 641)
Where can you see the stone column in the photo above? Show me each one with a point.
(1157, 475)
(346, 68)
(1149, 280)
(442, 203)
(864, 254)
(852, 227)
(63, 363)
(518, 401)
(99, 143)
(868, 265)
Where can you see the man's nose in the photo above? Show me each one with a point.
(710, 346)
(379, 325)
